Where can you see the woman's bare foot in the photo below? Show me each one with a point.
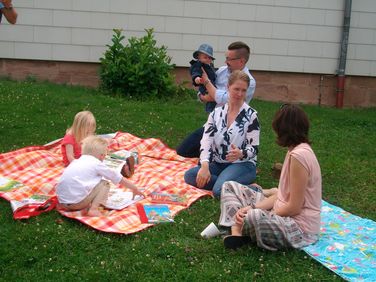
(236, 230)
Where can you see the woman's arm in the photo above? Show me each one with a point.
(266, 203)
(203, 175)
(9, 12)
(210, 128)
(298, 185)
(250, 150)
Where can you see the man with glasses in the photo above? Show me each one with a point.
(237, 56)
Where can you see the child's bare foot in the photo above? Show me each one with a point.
(94, 212)
(85, 211)
(60, 207)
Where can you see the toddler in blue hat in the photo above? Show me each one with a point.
(203, 59)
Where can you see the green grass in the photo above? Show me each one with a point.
(51, 247)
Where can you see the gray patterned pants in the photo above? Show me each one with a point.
(268, 230)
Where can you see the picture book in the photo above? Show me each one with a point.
(116, 164)
(33, 199)
(119, 199)
(154, 213)
(7, 184)
(118, 160)
(166, 198)
(123, 155)
(32, 206)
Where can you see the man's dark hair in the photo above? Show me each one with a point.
(241, 48)
(291, 125)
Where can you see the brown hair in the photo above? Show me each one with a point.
(291, 125)
(242, 49)
(238, 75)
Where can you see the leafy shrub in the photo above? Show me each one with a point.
(138, 69)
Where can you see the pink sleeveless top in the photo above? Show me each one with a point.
(69, 139)
(309, 218)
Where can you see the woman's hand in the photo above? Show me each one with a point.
(234, 154)
(203, 175)
(241, 213)
(6, 3)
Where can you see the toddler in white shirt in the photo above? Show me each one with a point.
(82, 185)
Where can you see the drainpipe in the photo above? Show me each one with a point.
(342, 58)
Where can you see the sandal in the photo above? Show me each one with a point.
(130, 165)
(234, 242)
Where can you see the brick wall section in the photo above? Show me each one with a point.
(271, 86)
(85, 74)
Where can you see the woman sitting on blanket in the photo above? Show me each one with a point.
(291, 217)
(230, 142)
(83, 186)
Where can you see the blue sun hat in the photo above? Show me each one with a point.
(204, 48)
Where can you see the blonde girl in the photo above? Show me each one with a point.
(83, 125)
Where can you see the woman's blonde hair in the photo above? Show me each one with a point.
(238, 75)
(94, 145)
(83, 125)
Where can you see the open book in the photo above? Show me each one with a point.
(119, 199)
(115, 164)
(123, 155)
(33, 199)
(7, 184)
(166, 198)
(32, 206)
(118, 160)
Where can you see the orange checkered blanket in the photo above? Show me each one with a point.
(39, 168)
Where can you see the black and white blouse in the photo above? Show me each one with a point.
(244, 133)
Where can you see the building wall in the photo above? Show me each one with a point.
(315, 89)
(293, 36)
(288, 38)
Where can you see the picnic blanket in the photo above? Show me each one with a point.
(347, 244)
(160, 168)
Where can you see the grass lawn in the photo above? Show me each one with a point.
(51, 247)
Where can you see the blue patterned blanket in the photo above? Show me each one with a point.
(347, 244)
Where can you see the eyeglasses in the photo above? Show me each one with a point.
(231, 59)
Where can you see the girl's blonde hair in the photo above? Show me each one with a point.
(83, 125)
(94, 145)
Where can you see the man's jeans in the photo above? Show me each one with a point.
(190, 147)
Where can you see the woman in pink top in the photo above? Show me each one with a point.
(290, 217)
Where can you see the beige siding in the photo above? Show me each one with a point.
(284, 35)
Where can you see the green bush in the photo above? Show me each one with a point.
(139, 69)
